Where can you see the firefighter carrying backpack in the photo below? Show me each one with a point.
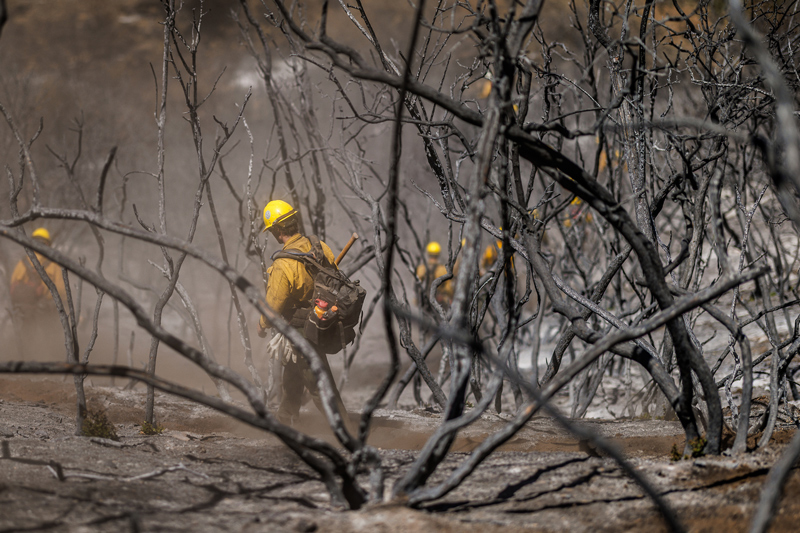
(329, 320)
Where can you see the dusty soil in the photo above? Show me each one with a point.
(207, 473)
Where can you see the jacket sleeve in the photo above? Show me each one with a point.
(54, 272)
(18, 276)
(278, 290)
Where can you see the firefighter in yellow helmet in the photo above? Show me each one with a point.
(491, 255)
(33, 310)
(577, 213)
(432, 270)
(427, 273)
(290, 289)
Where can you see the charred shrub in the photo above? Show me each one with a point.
(96, 424)
(151, 429)
(697, 446)
(675, 454)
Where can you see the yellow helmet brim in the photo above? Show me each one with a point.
(280, 219)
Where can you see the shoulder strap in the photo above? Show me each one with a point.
(315, 258)
(319, 253)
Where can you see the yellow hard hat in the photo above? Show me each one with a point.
(41, 233)
(276, 212)
(433, 248)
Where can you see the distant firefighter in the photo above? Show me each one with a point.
(427, 273)
(491, 256)
(577, 213)
(34, 312)
(432, 270)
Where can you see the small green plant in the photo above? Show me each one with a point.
(151, 429)
(96, 424)
(698, 445)
(674, 454)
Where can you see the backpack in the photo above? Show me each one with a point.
(329, 320)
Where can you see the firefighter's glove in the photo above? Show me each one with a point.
(281, 349)
(261, 332)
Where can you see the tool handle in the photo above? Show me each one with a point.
(346, 248)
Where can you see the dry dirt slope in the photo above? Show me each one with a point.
(204, 475)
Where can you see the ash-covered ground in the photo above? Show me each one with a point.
(208, 473)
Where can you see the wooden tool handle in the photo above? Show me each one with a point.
(346, 248)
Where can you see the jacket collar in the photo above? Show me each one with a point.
(292, 242)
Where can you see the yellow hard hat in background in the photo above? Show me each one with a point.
(433, 248)
(276, 212)
(41, 233)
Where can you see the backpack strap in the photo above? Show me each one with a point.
(319, 254)
(315, 259)
(316, 248)
(292, 254)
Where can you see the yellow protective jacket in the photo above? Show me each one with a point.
(290, 286)
(28, 289)
(444, 293)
